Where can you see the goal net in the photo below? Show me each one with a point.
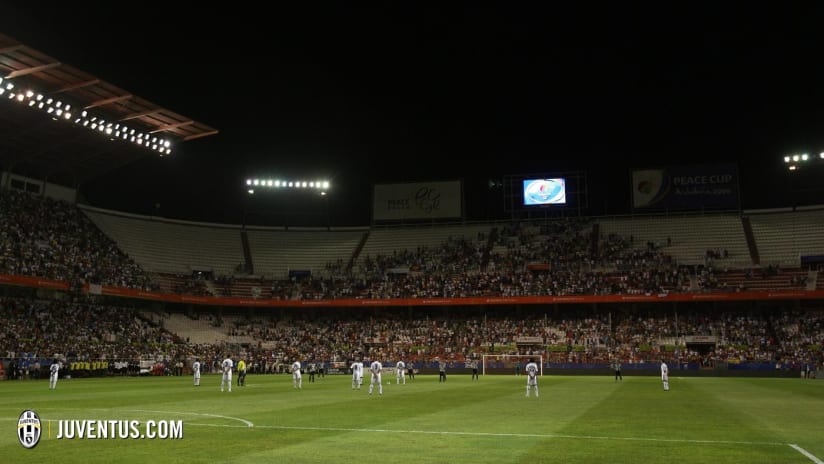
(515, 363)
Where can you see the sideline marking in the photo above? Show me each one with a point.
(806, 453)
(249, 424)
(521, 435)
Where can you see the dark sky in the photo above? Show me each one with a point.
(411, 91)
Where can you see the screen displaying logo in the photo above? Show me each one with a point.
(28, 429)
(544, 191)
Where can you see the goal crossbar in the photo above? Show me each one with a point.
(487, 359)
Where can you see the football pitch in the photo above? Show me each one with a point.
(577, 419)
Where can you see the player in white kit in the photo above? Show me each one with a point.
(227, 366)
(375, 368)
(54, 374)
(665, 375)
(357, 374)
(531, 370)
(297, 381)
(400, 372)
(196, 371)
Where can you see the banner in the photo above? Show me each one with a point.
(529, 340)
(424, 200)
(700, 339)
(686, 187)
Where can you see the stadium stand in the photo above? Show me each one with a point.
(276, 251)
(784, 236)
(686, 238)
(162, 245)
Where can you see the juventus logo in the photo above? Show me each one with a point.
(28, 429)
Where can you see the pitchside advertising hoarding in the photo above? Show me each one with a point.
(712, 186)
(419, 200)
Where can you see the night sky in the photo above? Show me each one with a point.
(407, 92)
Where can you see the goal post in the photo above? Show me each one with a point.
(509, 361)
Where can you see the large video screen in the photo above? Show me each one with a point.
(545, 191)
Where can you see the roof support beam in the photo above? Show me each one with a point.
(140, 114)
(33, 69)
(172, 126)
(108, 101)
(10, 48)
(197, 136)
(78, 85)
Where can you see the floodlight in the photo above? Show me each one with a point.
(59, 104)
(805, 157)
(39, 97)
(49, 101)
(67, 115)
(29, 94)
(2, 90)
(40, 105)
(31, 103)
(9, 86)
(270, 182)
(795, 158)
(821, 155)
(248, 181)
(786, 159)
(256, 182)
(793, 167)
(251, 192)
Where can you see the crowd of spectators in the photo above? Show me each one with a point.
(34, 331)
(53, 239)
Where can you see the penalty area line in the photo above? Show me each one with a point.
(806, 453)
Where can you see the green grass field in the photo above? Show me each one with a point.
(576, 420)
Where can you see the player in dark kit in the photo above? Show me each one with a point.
(616, 366)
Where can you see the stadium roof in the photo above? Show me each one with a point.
(34, 144)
